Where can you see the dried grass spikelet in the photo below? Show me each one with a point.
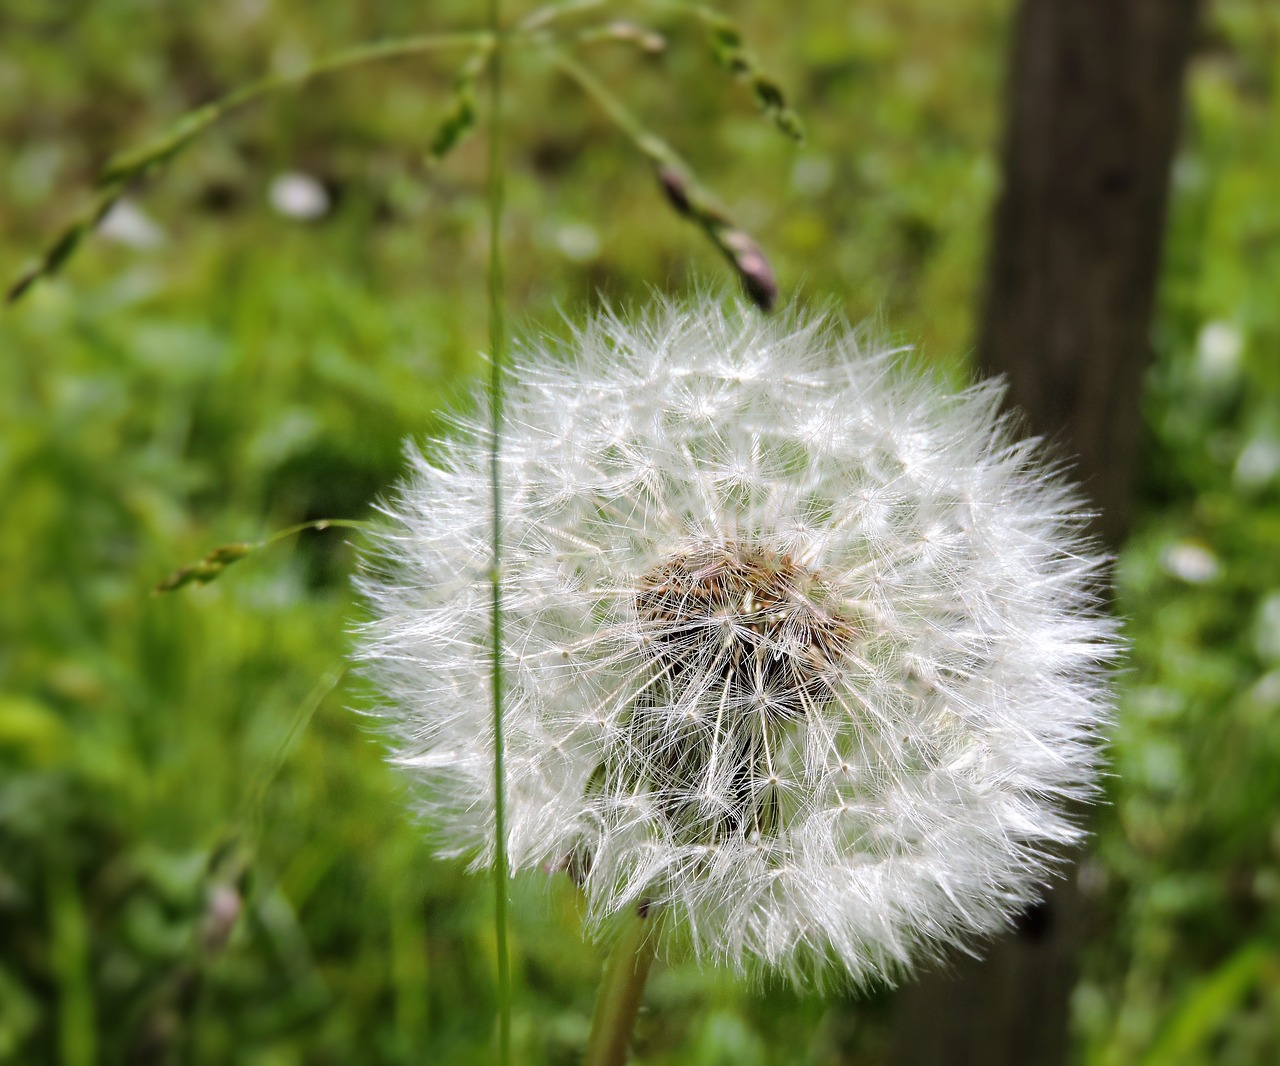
(804, 651)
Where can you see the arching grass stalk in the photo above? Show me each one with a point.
(211, 566)
(131, 164)
(685, 193)
(497, 346)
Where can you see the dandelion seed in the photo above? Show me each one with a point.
(804, 652)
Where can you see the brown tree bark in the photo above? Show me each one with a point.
(1093, 100)
(1093, 105)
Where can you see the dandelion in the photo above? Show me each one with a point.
(804, 652)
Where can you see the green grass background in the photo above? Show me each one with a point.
(163, 757)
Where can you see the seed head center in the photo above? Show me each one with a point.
(754, 625)
(746, 643)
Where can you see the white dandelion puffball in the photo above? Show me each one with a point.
(802, 651)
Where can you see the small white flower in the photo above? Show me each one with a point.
(1190, 562)
(297, 195)
(1218, 351)
(804, 652)
(126, 223)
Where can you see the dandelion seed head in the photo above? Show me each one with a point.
(803, 651)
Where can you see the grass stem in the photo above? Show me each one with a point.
(497, 352)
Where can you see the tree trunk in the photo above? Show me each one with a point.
(1093, 102)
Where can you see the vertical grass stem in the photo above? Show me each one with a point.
(497, 351)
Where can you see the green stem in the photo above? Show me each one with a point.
(544, 17)
(255, 796)
(618, 1002)
(130, 163)
(649, 143)
(686, 194)
(319, 525)
(134, 162)
(215, 562)
(69, 960)
(497, 352)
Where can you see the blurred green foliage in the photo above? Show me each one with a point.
(202, 857)
(1186, 968)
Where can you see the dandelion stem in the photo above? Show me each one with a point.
(497, 345)
(618, 1002)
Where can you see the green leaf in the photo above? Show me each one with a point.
(1211, 1002)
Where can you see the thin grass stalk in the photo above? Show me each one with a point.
(685, 193)
(134, 163)
(130, 163)
(497, 352)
